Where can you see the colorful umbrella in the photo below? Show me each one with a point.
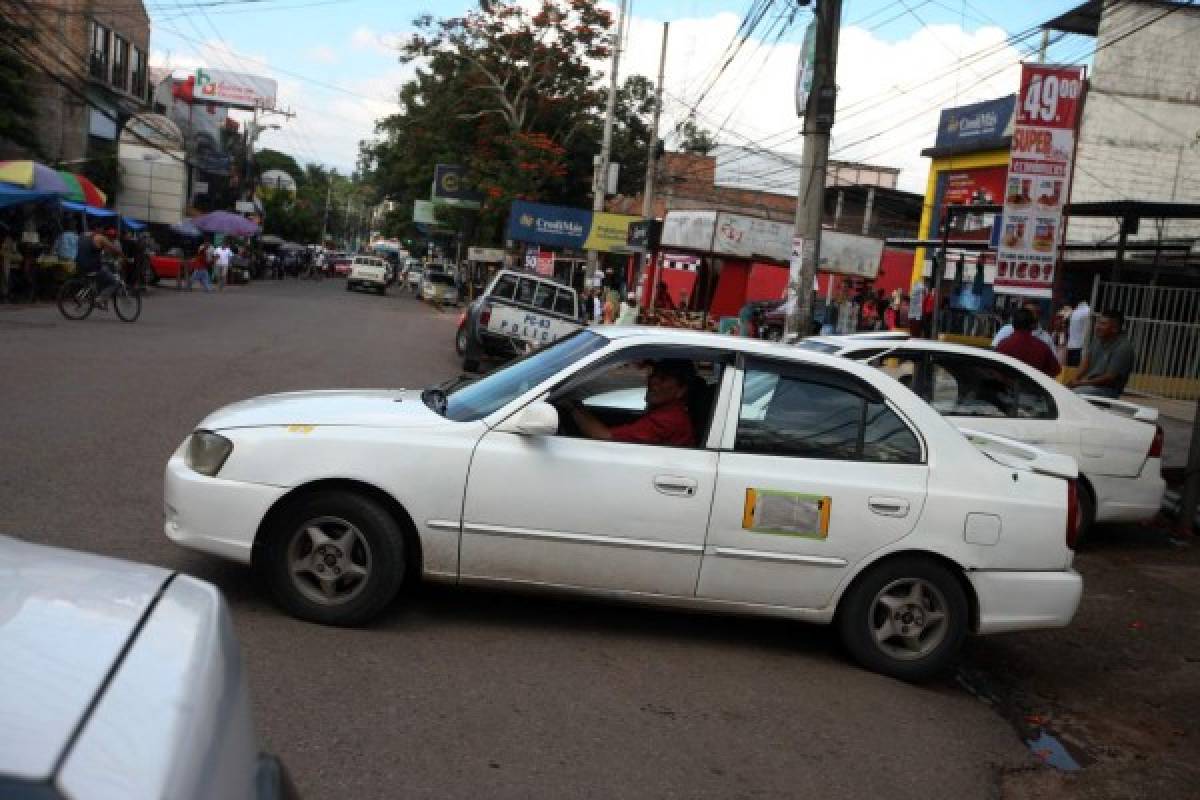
(32, 175)
(82, 190)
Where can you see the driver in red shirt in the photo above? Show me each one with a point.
(666, 420)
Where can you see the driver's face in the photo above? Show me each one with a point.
(663, 389)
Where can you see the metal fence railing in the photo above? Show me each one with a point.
(1163, 325)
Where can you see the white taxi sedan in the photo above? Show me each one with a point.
(817, 489)
(1117, 445)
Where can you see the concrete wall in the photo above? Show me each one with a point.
(1141, 120)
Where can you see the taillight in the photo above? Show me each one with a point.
(1072, 514)
(462, 318)
(485, 315)
(1156, 445)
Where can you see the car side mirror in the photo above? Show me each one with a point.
(536, 419)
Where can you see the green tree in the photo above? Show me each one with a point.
(16, 95)
(267, 159)
(506, 91)
(694, 139)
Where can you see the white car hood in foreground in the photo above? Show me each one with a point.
(373, 408)
(64, 619)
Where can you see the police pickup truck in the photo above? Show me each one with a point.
(516, 313)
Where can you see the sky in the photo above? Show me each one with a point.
(899, 63)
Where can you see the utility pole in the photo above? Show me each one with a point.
(325, 219)
(600, 176)
(1189, 498)
(810, 202)
(652, 152)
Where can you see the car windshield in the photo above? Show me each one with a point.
(479, 398)
(442, 278)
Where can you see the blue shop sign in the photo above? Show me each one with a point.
(556, 226)
(978, 122)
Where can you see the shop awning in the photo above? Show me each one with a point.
(91, 211)
(15, 196)
(94, 211)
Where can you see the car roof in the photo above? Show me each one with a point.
(724, 341)
(532, 276)
(65, 619)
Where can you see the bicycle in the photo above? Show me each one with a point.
(78, 296)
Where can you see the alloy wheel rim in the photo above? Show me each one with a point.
(909, 619)
(329, 560)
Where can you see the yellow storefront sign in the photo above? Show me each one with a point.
(608, 232)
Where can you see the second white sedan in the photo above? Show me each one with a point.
(811, 487)
(1117, 445)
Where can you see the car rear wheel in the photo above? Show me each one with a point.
(905, 618)
(335, 558)
(460, 340)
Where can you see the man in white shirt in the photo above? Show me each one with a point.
(223, 256)
(1076, 331)
(1039, 332)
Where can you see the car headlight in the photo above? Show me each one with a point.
(207, 451)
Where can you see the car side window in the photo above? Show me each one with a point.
(790, 414)
(615, 391)
(564, 303)
(543, 298)
(963, 386)
(526, 290)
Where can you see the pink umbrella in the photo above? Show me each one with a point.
(225, 222)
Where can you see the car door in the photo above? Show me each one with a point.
(816, 471)
(572, 511)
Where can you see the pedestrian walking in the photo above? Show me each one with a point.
(222, 258)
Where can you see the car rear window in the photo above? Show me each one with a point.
(442, 278)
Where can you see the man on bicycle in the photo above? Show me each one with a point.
(89, 260)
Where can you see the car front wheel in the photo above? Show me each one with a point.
(905, 618)
(335, 558)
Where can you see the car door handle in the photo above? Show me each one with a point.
(888, 506)
(675, 485)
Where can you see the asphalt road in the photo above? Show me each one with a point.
(453, 693)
